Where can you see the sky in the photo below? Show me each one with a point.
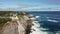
(29, 5)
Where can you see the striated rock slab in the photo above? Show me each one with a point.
(18, 26)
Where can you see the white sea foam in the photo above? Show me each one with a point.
(52, 20)
(37, 16)
(34, 17)
(35, 24)
(48, 17)
(36, 28)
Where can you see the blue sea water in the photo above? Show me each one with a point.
(49, 21)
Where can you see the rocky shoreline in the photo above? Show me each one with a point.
(18, 25)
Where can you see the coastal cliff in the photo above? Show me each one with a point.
(18, 23)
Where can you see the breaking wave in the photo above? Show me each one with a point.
(52, 20)
(49, 22)
(36, 28)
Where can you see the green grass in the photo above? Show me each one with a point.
(8, 14)
(4, 20)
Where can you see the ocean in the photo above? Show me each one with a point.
(47, 23)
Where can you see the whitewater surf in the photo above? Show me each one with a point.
(36, 27)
